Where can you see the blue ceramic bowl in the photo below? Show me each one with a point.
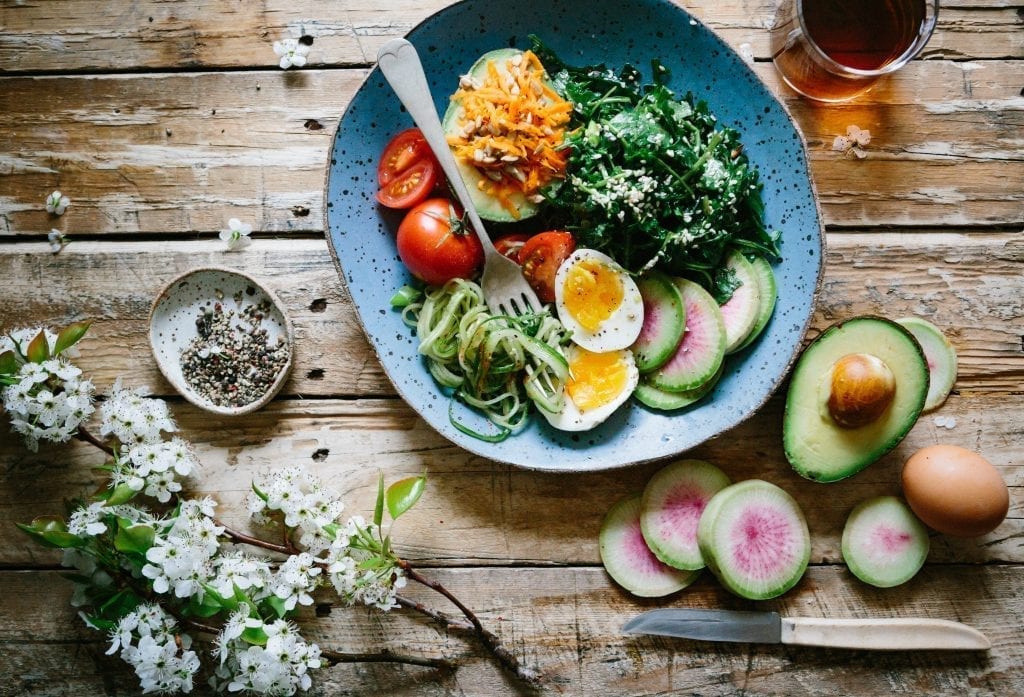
(615, 32)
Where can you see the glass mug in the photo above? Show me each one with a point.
(833, 50)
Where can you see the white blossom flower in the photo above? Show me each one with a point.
(853, 143)
(376, 586)
(134, 419)
(160, 666)
(295, 579)
(244, 571)
(279, 668)
(152, 468)
(57, 203)
(57, 240)
(88, 520)
(49, 401)
(291, 52)
(181, 558)
(237, 234)
(304, 501)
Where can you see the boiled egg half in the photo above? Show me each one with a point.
(598, 302)
(598, 384)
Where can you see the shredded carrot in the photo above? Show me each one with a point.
(510, 128)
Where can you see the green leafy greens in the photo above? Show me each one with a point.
(653, 179)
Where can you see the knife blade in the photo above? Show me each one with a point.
(895, 634)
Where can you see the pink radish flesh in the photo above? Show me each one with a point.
(762, 543)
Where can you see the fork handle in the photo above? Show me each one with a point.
(400, 64)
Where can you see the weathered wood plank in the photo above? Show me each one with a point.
(155, 34)
(477, 512)
(566, 623)
(968, 284)
(172, 153)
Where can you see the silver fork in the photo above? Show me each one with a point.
(505, 289)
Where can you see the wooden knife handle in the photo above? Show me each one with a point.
(883, 634)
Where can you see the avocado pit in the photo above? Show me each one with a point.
(861, 388)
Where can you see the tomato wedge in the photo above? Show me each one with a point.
(410, 187)
(509, 245)
(407, 171)
(540, 258)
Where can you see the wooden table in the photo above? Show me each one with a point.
(161, 120)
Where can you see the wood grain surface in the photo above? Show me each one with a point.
(164, 118)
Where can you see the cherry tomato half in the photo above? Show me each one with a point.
(436, 246)
(410, 187)
(407, 171)
(400, 153)
(540, 258)
(510, 244)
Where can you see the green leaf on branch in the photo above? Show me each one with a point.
(122, 493)
(133, 538)
(209, 606)
(70, 336)
(378, 509)
(97, 622)
(8, 363)
(256, 490)
(277, 605)
(403, 495)
(255, 636)
(38, 349)
(50, 531)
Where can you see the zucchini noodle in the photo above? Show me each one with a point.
(495, 363)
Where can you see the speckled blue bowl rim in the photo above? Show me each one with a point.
(611, 445)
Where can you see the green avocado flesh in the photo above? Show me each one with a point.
(817, 447)
(488, 207)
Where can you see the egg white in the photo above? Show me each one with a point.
(570, 418)
(622, 328)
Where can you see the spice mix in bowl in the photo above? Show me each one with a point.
(221, 339)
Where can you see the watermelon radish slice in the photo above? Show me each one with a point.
(754, 538)
(769, 294)
(740, 312)
(664, 321)
(940, 356)
(702, 349)
(650, 396)
(884, 544)
(671, 506)
(629, 561)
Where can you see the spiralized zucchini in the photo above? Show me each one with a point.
(495, 363)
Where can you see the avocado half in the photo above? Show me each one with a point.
(488, 207)
(816, 445)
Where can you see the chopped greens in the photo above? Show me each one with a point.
(653, 179)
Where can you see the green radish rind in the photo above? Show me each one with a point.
(940, 356)
(671, 507)
(884, 543)
(769, 295)
(487, 206)
(702, 350)
(769, 522)
(628, 559)
(654, 398)
(816, 446)
(664, 321)
(740, 313)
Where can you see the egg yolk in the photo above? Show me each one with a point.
(592, 293)
(595, 379)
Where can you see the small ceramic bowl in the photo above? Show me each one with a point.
(172, 327)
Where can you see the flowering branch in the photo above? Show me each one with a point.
(151, 579)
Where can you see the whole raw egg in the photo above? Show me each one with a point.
(955, 491)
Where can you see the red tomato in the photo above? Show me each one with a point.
(410, 187)
(540, 258)
(400, 153)
(509, 245)
(436, 246)
(407, 171)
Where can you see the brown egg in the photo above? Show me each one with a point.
(955, 491)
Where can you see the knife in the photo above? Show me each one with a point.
(770, 628)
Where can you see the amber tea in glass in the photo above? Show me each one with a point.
(833, 50)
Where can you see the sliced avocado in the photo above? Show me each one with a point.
(488, 207)
(816, 444)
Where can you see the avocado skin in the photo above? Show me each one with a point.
(818, 448)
